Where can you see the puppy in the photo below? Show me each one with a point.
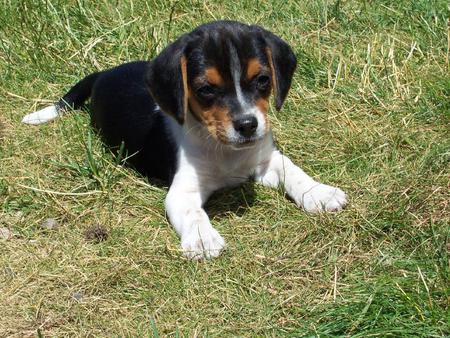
(196, 117)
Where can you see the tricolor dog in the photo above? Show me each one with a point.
(196, 117)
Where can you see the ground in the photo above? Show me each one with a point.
(368, 111)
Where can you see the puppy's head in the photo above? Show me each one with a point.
(223, 73)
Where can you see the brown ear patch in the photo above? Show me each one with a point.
(213, 76)
(272, 71)
(253, 68)
(185, 84)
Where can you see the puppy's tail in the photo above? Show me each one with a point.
(74, 99)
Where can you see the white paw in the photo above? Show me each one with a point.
(322, 197)
(202, 242)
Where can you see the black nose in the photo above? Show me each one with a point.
(246, 125)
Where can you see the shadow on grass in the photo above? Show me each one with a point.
(235, 200)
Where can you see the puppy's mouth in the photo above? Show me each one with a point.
(242, 143)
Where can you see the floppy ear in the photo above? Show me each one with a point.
(282, 64)
(167, 81)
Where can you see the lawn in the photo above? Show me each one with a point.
(368, 111)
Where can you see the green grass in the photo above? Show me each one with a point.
(369, 111)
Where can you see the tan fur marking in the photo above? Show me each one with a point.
(213, 76)
(253, 68)
(185, 84)
(215, 118)
(263, 106)
(196, 108)
(272, 70)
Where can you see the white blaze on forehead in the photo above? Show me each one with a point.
(247, 107)
(236, 71)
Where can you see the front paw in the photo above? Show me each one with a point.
(202, 242)
(322, 197)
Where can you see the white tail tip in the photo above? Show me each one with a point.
(41, 116)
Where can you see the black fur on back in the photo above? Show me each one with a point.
(122, 110)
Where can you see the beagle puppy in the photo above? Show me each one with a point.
(196, 117)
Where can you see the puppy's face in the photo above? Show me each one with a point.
(224, 73)
(228, 87)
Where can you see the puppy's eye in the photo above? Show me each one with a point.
(262, 82)
(206, 92)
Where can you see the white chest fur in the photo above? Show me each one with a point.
(206, 161)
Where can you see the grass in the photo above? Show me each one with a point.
(368, 111)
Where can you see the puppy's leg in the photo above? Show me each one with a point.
(304, 190)
(184, 207)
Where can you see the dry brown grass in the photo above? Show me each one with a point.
(368, 111)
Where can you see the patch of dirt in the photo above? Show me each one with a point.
(96, 233)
